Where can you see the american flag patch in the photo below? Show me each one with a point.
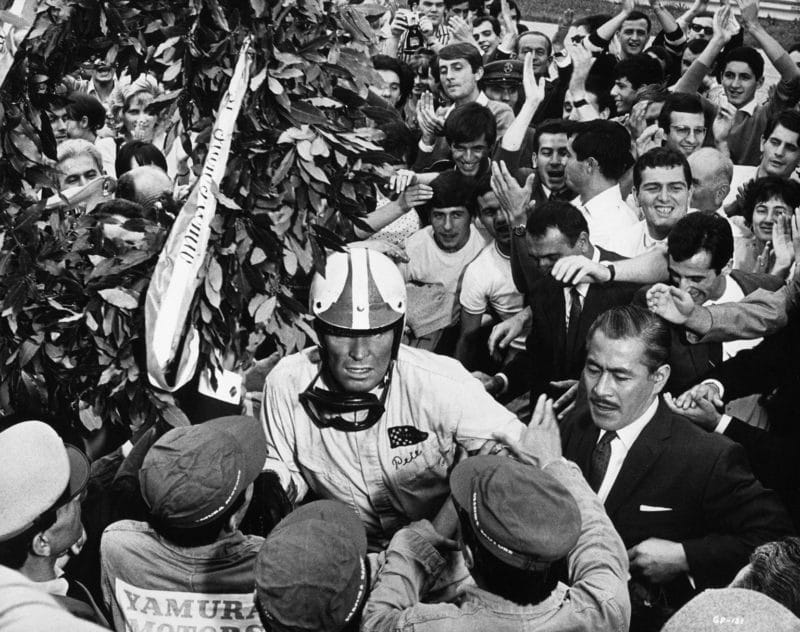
(401, 436)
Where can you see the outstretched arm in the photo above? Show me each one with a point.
(692, 79)
(772, 49)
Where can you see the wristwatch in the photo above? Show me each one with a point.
(612, 271)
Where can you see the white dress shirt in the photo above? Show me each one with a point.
(621, 446)
(608, 216)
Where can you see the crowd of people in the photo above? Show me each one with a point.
(554, 375)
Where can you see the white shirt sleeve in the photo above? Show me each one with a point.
(474, 296)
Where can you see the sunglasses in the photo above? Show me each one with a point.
(706, 30)
(577, 39)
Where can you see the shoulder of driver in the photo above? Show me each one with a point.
(425, 383)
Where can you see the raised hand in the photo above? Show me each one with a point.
(721, 18)
(534, 90)
(426, 26)
(671, 303)
(540, 443)
(782, 244)
(566, 402)
(748, 12)
(582, 62)
(429, 123)
(637, 122)
(628, 6)
(507, 23)
(415, 195)
(652, 136)
(762, 265)
(513, 198)
(462, 31)
(505, 331)
(723, 121)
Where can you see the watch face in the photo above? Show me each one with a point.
(519, 231)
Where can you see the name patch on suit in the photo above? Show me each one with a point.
(403, 436)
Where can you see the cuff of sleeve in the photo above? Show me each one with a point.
(674, 36)
(723, 424)
(597, 42)
(425, 147)
(504, 380)
(718, 384)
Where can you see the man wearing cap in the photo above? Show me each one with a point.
(189, 565)
(368, 421)
(684, 501)
(41, 482)
(519, 518)
(502, 81)
(313, 573)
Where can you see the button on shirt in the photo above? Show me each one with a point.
(388, 483)
(621, 446)
(608, 216)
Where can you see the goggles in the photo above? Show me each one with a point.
(348, 412)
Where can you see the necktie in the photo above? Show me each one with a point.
(601, 455)
(572, 327)
(740, 117)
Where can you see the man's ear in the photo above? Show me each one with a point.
(583, 242)
(660, 377)
(760, 82)
(84, 122)
(721, 193)
(727, 268)
(479, 74)
(605, 114)
(40, 545)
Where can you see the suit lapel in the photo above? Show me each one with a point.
(583, 443)
(643, 454)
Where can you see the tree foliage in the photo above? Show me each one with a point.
(302, 170)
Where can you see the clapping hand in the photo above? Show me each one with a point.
(513, 198)
(540, 442)
(430, 124)
(534, 90)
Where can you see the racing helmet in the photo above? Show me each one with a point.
(361, 293)
(362, 290)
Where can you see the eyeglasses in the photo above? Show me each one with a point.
(682, 131)
(577, 39)
(699, 28)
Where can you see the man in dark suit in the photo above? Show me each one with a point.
(560, 315)
(685, 502)
(700, 252)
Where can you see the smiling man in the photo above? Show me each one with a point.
(364, 419)
(662, 182)
(685, 502)
(700, 258)
(684, 123)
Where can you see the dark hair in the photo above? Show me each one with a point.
(747, 55)
(452, 188)
(468, 122)
(592, 22)
(523, 587)
(775, 572)
(632, 321)
(764, 189)
(399, 141)
(496, 8)
(120, 205)
(703, 14)
(702, 231)
(609, 143)
(638, 15)
(144, 153)
(661, 157)
(82, 104)
(550, 126)
(660, 54)
(697, 46)
(558, 214)
(461, 50)
(476, 22)
(639, 70)
(598, 86)
(198, 536)
(790, 119)
(404, 73)
(539, 34)
(794, 48)
(679, 102)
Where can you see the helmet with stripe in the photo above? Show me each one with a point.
(362, 291)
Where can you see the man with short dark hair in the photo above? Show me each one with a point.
(190, 560)
(684, 501)
(437, 257)
(599, 155)
(631, 74)
(662, 184)
(518, 518)
(684, 123)
(486, 31)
